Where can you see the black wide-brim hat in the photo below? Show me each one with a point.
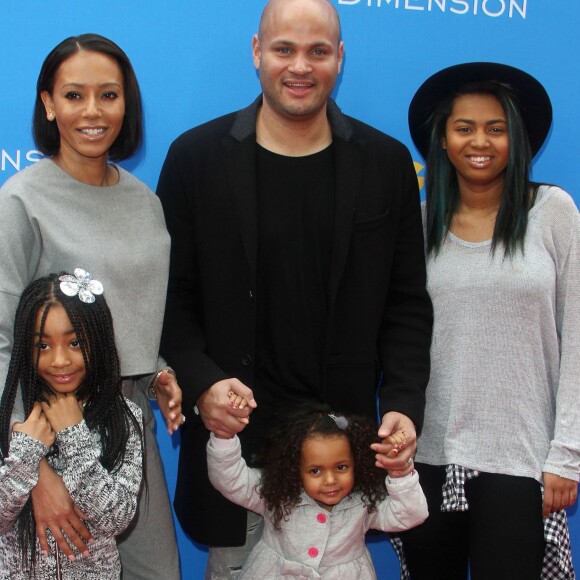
(533, 100)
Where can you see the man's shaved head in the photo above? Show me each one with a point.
(273, 8)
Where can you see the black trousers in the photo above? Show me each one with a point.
(500, 537)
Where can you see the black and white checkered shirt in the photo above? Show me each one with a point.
(557, 555)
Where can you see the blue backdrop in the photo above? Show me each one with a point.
(193, 61)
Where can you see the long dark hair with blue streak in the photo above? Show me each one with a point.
(442, 187)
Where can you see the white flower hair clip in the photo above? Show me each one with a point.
(81, 284)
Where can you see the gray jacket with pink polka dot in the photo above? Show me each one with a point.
(313, 543)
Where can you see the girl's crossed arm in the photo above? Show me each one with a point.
(108, 499)
(19, 474)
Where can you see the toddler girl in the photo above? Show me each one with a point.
(319, 491)
(65, 368)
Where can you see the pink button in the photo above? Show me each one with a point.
(312, 552)
(321, 518)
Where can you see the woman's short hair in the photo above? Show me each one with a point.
(46, 133)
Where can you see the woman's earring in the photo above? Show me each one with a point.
(50, 116)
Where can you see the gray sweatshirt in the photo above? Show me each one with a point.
(504, 392)
(51, 222)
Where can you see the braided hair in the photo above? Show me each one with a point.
(281, 484)
(105, 409)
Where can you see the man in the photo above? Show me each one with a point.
(297, 269)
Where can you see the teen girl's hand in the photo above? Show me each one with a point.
(55, 510)
(559, 493)
(63, 410)
(37, 426)
(168, 395)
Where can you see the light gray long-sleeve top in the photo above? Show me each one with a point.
(313, 543)
(108, 500)
(50, 222)
(504, 392)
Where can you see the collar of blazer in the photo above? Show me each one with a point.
(245, 123)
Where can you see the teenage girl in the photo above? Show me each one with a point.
(65, 361)
(498, 455)
(319, 491)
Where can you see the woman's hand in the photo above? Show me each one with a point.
(63, 410)
(168, 395)
(37, 426)
(559, 493)
(54, 509)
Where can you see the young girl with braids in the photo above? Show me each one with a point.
(319, 491)
(65, 361)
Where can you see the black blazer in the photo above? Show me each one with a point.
(380, 315)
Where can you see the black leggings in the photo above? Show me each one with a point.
(500, 537)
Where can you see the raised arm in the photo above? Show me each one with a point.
(230, 475)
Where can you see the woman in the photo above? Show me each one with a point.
(75, 208)
(502, 422)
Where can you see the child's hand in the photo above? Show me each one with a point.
(63, 410)
(389, 448)
(396, 458)
(397, 441)
(237, 401)
(37, 426)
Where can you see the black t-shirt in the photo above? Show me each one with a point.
(296, 218)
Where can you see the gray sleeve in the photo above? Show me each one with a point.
(20, 242)
(564, 456)
(18, 476)
(230, 475)
(404, 507)
(109, 500)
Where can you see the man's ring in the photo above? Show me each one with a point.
(182, 418)
(410, 461)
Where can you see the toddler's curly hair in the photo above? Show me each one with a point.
(281, 484)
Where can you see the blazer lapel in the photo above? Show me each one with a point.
(348, 164)
(240, 162)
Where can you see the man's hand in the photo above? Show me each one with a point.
(393, 455)
(218, 415)
(54, 509)
(559, 493)
(168, 396)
